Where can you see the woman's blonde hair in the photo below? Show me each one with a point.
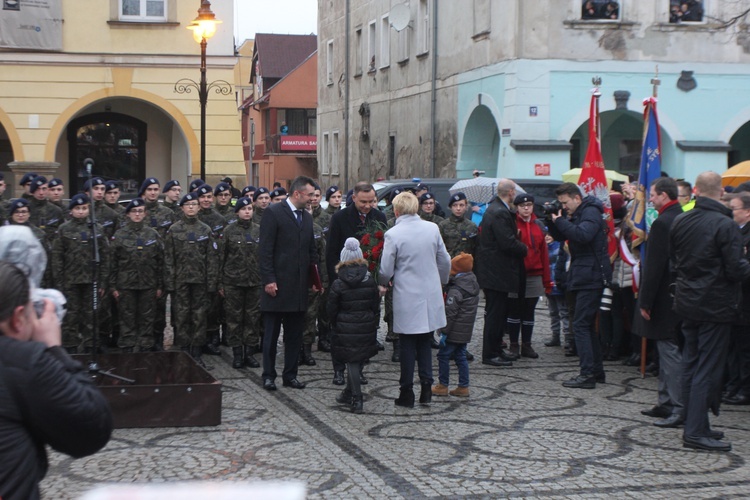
(405, 204)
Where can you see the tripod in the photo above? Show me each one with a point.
(93, 365)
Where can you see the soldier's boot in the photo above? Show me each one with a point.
(212, 345)
(396, 357)
(527, 351)
(307, 357)
(554, 341)
(195, 352)
(514, 349)
(324, 344)
(238, 359)
(250, 360)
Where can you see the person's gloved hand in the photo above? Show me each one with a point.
(443, 339)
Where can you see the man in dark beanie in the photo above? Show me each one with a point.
(137, 260)
(191, 268)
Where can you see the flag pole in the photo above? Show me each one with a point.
(655, 82)
(597, 81)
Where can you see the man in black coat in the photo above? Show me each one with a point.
(499, 270)
(655, 318)
(706, 251)
(738, 361)
(350, 222)
(287, 251)
(590, 270)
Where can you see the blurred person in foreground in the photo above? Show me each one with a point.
(46, 398)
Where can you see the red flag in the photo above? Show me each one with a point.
(593, 180)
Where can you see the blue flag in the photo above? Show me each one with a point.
(650, 171)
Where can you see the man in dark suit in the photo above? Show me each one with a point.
(705, 247)
(350, 222)
(499, 269)
(656, 320)
(287, 250)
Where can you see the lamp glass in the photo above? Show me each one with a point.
(203, 28)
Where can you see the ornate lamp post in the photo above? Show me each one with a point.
(203, 27)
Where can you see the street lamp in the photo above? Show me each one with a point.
(203, 28)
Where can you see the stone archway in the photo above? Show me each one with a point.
(480, 147)
(740, 143)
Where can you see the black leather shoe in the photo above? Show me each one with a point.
(238, 357)
(657, 412)
(469, 356)
(324, 345)
(294, 384)
(601, 378)
(705, 443)
(396, 357)
(381, 347)
(671, 422)
(570, 353)
(363, 380)
(250, 360)
(496, 362)
(425, 395)
(738, 400)
(553, 342)
(405, 398)
(344, 397)
(633, 360)
(338, 378)
(581, 382)
(716, 434)
(269, 385)
(507, 356)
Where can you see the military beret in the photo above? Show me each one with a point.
(169, 185)
(27, 177)
(135, 202)
(258, 192)
(330, 191)
(248, 189)
(456, 197)
(38, 182)
(426, 197)
(228, 180)
(204, 189)
(242, 203)
(422, 186)
(523, 198)
(96, 181)
(278, 192)
(146, 183)
(16, 204)
(188, 197)
(195, 184)
(222, 187)
(110, 186)
(79, 199)
(55, 182)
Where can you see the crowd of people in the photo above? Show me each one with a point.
(239, 265)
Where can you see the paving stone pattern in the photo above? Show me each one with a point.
(519, 434)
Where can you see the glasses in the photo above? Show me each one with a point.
(428, 203)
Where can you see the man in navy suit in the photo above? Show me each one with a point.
(287, 250)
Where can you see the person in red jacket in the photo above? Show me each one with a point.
(521, 306)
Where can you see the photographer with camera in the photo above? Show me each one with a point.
(579, 220)
(46, 398)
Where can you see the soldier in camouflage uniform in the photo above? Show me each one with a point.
(105, 216)
(333, 197)
(195, 184)
(136, 274)
(111, 198)
(223, 196)
(45, 215)
(312, 315)
(18, 215)
(26, 183)
(55, 195)
(172, 193)
(240, 285)
(459, 233)
(323, 219)
(191, 269)
(278, 195)
(160, 219)
(73, 273)
(248, 192)
(209, 216)
(4, 204)
(261, 200)
(427, 208)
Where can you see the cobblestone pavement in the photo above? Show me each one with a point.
(519, 434)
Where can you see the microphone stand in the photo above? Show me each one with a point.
(95, 262)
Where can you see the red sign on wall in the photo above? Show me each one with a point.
(299, 143)
(541, 169)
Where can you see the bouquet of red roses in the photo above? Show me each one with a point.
(371, 240)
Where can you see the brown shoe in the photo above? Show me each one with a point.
(461, 392)
(514, 349)
(527, 351)
(440, 390)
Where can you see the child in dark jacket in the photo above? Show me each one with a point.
(354, 312)
(461, 301)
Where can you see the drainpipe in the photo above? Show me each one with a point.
(346, 99)
(433, 103)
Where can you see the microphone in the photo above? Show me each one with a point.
(88, 164)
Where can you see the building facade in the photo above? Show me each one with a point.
(504, 86)
(107, 92)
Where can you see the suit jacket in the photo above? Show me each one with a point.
(499, 260)
(346, 224)
(414, 256)
(657, 274)
(285, 254)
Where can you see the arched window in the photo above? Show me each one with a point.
(116, 143)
